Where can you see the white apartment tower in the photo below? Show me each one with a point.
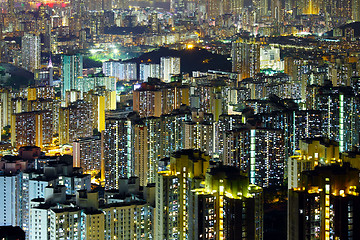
(30, 50)
(169, 66)
(147, 70)
(9, 199)
(125, 71)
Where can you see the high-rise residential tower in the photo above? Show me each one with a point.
(71, 69)
(326, 204)
(30, 50)
(169, 66)
(245, 58)
(195, 201)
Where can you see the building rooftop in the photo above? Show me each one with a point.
(323, 141)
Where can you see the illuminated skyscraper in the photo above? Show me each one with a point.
(355, 10)
(125, 71)
(197, 202)
(198, 135)
(147, 100)
(221, 8)
(257, 151)
(71, 69)
(245, 58)
(212, 8)
(174, 95)
(40, 98)
(312, 152)
(109, 68)
(340, 119)
(261, 9)
(211, 98)
(75, 121)
(10, 185)
(236, 7)
(149, 70)
(30, 50)
(78, 6)
(228, 206)
(98, 109)
(312, 7)
(172, 134)
(341, 69)
(154, 22)
(326, 204)
(169, 66)
(296, 124)
(225, 124)
(183, 129)
(5, 107)
(146, 148)
(174, 195)
(87, 155)
(32, 128)
(118, 148)
(85, 84)
(155, 99)
(128, 71)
